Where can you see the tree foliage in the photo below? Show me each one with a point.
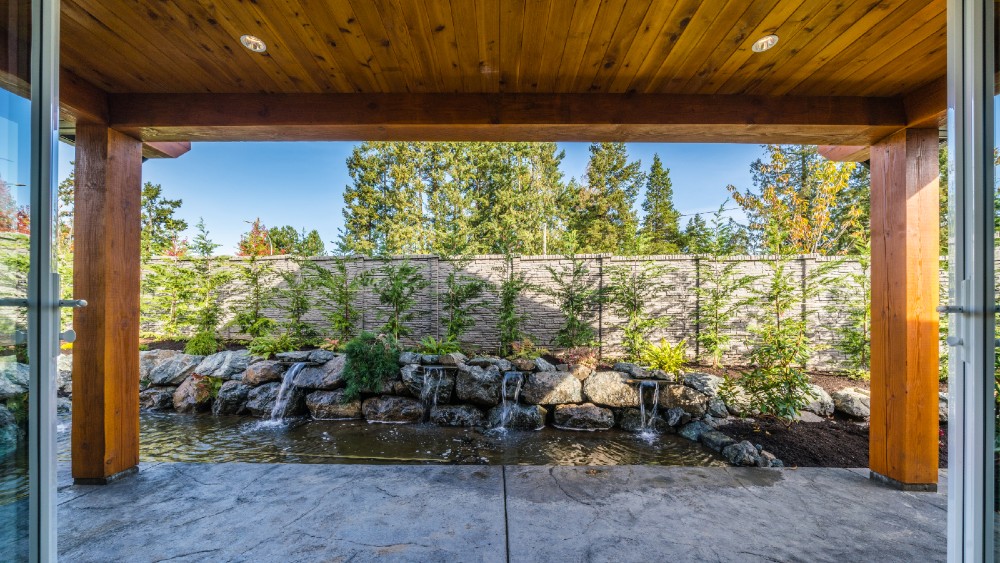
(338, 288)
(577, 293)
(661, 221)
(632, 292)
(396, 289)
(161, 228)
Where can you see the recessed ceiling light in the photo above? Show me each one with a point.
(764, 43)
(254, 43)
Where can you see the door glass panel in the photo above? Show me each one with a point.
(15, 179)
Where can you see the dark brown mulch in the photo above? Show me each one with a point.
(179, 344)
(832, 443)
(830, 382)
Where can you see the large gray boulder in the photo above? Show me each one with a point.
(503, 365)
(587, 416)
(321, 356)
(224, 365)
(478, 385)
(149, 359)
(388, 408)
(10, 432)
(542, 365)
(715, 440)
(264, 371)
(693, 430)
(943, 408)
(434, 384)
(262, 399)
(683, 397)
(632, 370)
(852, 401)
(452, 359)
(517, 417)
(457, 415)
(631, 421)
(610, 389)
(174, 370)
(13, 378)
(822, 403)
(330, 405)
(705, 383)
(551, 388)
(193, 395)
(232, 398)
(742, 454)
(157, 398)
(406, 358)
(293, 357)
(327, 376)
(676, 416)
(580, 371)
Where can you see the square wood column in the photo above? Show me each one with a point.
(903, 444)
(105, 439)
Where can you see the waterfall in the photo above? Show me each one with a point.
(646, 423)
(429, 390)
(505, 408)
(285, 392)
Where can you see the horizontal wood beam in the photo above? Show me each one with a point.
(927, 106)
(508, 117)
(845, 153)
(165, 149)
(81, 101)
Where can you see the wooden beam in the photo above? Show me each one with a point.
(81, 101)
(904, 268)
(506, 117)
(105, 440)
(165, 149)
(927, 106)
(845, 153)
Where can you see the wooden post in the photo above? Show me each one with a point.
(903, 446)
(106, 273)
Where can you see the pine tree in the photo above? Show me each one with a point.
(605, 218)
(160, 227)
(661, 220)
(696, 236)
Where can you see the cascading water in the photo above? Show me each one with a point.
(505, 408)
(433, 377)
(647, 426)
(285, 392)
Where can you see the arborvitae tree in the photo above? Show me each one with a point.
(509, 320)
(209, 277)
(338, 289)
(160, 228)
(577, 294)
(661, 220)
(462, 298)
(605, 219)
(631, 293)
(396, 289)
(722, 291)
(811, 198)
(298, 301)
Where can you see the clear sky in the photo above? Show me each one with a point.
(302, 184)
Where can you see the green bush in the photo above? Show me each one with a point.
(267, 346)
(664, 356)
(203, 344)
(371, 361)
(431, 345)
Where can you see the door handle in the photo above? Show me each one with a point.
(73, 303)
(950, 309)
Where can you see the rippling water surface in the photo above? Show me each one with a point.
(211, 439)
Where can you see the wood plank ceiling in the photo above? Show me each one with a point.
(827, 48)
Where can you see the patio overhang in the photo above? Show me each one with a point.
(866, 75)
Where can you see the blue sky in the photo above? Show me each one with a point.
(302, 184)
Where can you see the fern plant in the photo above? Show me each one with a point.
(267, 346)
(664, 356)
(431, 345)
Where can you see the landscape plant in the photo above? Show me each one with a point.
(853, 294)
(431, 345)
(256, 295)
(371, 361)
(337, 291)
(397, 289)
(266, 346)
(169, 296)
(209, 277)
(512, 285)
(577, 293)
(631, 293)
(665, 356)
(722, 290)
(297, 302)
(462, 298)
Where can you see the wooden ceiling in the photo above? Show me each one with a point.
(843, 72)
(838, 48)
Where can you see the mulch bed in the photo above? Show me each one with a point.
(830, 382)
(179, 344)
(831, 443)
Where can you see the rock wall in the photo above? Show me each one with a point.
(679, 303)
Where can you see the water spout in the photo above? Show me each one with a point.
(647, 424)
(433, 377)
(505, 408)
(285, 392)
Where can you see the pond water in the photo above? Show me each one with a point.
(216, 439)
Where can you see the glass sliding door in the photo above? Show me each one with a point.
(28, 287)
(972, 324)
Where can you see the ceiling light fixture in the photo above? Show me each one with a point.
(254, 43)
(764, 43)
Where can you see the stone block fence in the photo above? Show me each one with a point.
(825, 313)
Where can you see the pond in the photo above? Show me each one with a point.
(217, 439)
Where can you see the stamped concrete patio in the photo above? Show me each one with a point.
(286, 512)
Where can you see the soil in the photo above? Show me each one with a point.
(830, 382)
(831, 443)
(179, 344)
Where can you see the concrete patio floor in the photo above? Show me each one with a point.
(285, 512)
